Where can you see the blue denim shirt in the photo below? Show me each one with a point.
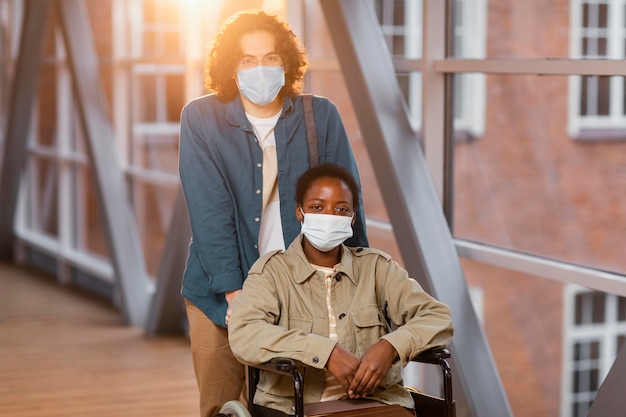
(220, 165)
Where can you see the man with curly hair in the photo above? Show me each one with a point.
(242, 149)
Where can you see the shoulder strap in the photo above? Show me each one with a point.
(311, 129)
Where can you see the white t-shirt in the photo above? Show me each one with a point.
(271, 233)
(332, 388)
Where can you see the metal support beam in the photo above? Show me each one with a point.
(416, 214)
(167, 313)
(121, 228)
(24, 86)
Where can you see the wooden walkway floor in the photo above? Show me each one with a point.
(64, 353)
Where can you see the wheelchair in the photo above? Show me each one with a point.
(425, 405)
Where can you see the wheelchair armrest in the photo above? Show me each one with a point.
(283, 366)
(433, 355)
(438, 356)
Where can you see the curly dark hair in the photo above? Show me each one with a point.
(326, 170)
(226, 53)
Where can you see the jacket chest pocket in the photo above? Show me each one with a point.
(369, 327)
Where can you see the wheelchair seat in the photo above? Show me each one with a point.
(425, 405)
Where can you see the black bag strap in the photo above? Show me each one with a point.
(311, 129)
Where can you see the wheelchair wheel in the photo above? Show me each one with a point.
(234, 408)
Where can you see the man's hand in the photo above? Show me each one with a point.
(374, 365)
(342, 364)
(230, 297)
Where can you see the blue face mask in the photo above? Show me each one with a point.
(261, 84)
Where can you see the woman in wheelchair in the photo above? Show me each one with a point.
(351, 316)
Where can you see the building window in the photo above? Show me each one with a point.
(155, 50)
(595, 330)
(469, 43)
(157, 45)
(401, 24)
(597, 109)
(10, 25)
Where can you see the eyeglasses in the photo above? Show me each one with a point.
(268, 60)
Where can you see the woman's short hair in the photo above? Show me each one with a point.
(226, 53)
(327, 170)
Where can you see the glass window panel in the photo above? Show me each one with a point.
(588, 49)
(586, 14)
(623, 94)
(398, 45)
(90, 229)
(523, 322)
(170, 11)
(604, 96)
(46, 106)
(580, 409)
(598, 307)
(8, 26)
(175, 84)
(593, 380)
(172, 45)
(590, 308)
(586, 374)
(580, 299)
(586, 351)
(150, 11)
(579, 378)
(146, 99)
(621, 309)
(458, 12)
(593, 47)
(149, 44)
(43, 200)
(589, 96)
(156, 152)
(153, 205)
(392, 18)
(398, 13)
(603, 15)
(526, 185)
(594, 15)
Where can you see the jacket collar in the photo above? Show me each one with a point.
(304, 270)
(236, 115)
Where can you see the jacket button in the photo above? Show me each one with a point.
(256, 219)
(359, 249)
(316, 359)
(342, 315)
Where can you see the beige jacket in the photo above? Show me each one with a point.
(282, 312)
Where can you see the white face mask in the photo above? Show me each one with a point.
(261, 84)
(326, 231)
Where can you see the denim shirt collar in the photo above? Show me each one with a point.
(236, 115)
